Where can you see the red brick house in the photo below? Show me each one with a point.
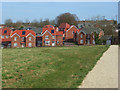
(85, 37)
(5, 37)
(51, 36)
(71, 33)
(23, 38)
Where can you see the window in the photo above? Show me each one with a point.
(88, 36)
(81, 41)
(5, 31)
(57, 42)
(15, 38)
(88, 42)
(23, 38)
(81, 36)
(53, 37)
(30, 44)
(50, 26)
(30, 38)
(2, 36)
(7, 36)
(47, 42)
(46, 37)
(53, 41)
(15, 44)
(93, 36)
(52, 31)
(93, 41)
(23, 32)
(72, 32)
(39, 42)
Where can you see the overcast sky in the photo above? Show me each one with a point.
(37, 10)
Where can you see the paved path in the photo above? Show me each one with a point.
(105, 72)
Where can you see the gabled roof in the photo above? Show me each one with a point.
(76, 29)
(64, 25)
(27, 32)
(50, 28)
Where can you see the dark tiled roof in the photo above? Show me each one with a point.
(106, 37)
(89, 30)
(36, 30)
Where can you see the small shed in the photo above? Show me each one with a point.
(107, 39)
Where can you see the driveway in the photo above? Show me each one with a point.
(105, 72)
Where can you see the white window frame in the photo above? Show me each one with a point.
(81, 41)
(30, 44)
(53, 37)
(7, 36)
(81, 35)
(47, 42)
(46, 37)
(2, 36)
(15, 44)
(15, 38)
(23, 38)
(30, 38)
(57, 42)
(93, 41)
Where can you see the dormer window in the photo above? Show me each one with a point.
(5, 31)
(50, 26)
(52, 31)
(23, 32)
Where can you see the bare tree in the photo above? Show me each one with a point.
(8, 22)
(35, 23)
(67, 18)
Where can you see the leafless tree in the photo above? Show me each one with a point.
(67, 18)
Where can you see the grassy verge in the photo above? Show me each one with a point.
(48, 67)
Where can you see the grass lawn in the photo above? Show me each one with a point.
(48, 67)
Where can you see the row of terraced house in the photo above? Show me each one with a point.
(49, 36)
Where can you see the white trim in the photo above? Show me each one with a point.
(14, 34)
(29, 34)
(48, 32)
(71, 27)
(81, 31)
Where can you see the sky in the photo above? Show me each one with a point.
(119, 12)
(43, 10)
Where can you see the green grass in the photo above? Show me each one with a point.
(48, 67)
